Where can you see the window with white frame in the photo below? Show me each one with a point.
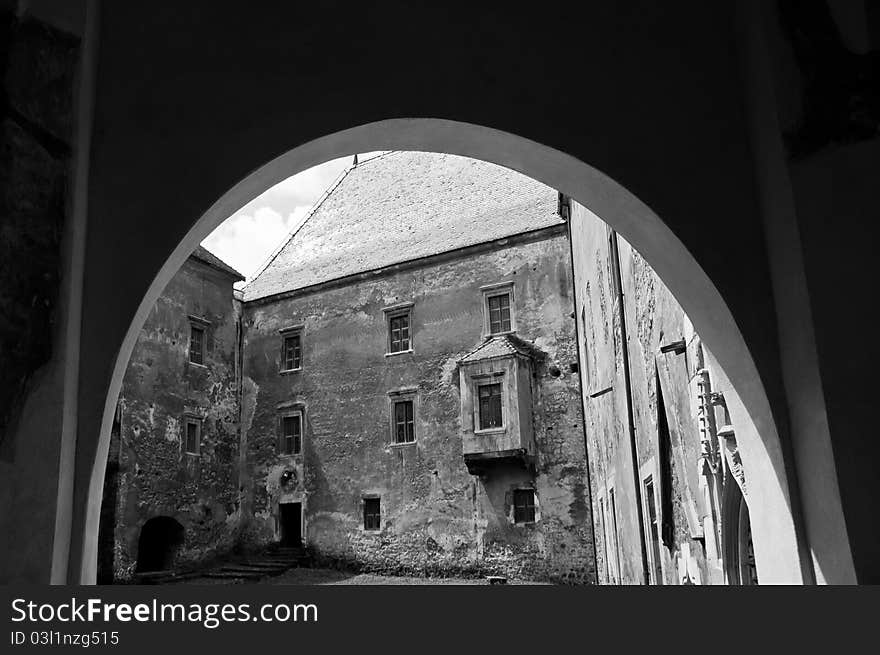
(490, 408)
(290, 433)
(403, 415)
(498, 308)
(291, 349)
(400, 328)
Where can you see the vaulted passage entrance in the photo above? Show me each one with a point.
(160, 539)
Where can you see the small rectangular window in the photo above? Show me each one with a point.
(398, 327)
(490, 406)
(197, 344)
(372, 514)
(499, 313)
(291, 355)
(404, 426)
(524, 506)
(653, 535)
(193, 436)
(291, 434)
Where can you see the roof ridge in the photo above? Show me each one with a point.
(295, 230)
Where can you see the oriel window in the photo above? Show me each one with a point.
(499, 313)
(291, 434)
(404, 426)
(399, 333)
(372, 514)
(524, 506)
(490, 406)
(291, 354)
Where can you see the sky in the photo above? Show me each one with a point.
(247, 238)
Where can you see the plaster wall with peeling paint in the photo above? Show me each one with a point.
(676, 426)
(155, 476)
(436, 518)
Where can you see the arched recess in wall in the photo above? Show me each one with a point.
(604, 197)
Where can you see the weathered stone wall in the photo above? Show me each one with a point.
(667, 434)
(436, 517)
(156, 477)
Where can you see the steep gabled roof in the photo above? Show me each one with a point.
(204, 255)
(502, 345)
(402, 206)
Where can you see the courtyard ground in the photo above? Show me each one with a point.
(318, 576)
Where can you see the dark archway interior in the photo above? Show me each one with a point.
(160, 538)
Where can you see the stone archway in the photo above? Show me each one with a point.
(160, 539)
(773, 527)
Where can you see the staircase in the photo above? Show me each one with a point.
(273, 560)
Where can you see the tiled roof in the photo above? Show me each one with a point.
(401, 206)
(502, 345)
(203, 254)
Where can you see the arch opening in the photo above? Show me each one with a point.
(604, 198)
(160, 539)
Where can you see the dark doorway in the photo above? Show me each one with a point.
(291, 524)
(161, 538)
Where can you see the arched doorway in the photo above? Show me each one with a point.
(160, 539)
(775, 542)
(739, 550)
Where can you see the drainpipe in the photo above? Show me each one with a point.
(618, 290)
(565, 212)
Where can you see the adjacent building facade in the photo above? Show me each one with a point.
(668, 486)
(171, 492)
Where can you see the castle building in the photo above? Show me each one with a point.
(171, 491)
(411, 396)
(421, 380)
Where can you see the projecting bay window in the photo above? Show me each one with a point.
(399, 318)
(498, 308)
(490, 406)
(291, 349)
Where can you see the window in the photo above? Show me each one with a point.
(499, 313)
(490, 406)
(612, 503)
(291, 356)
(197, 344)
(524, 506)
(399, 333)
(404, 426)
(399, 319)
(291, 434)
(372, 514)
(193, 436)
(653, 531)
